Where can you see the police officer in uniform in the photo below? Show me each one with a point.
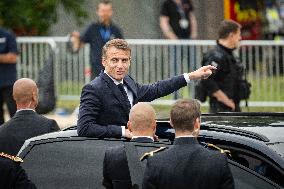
(8, 73)
(187, 164)
(223, 85)
(12, 174)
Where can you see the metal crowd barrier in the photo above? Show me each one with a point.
(153, 60)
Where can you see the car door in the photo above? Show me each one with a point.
(248, 179)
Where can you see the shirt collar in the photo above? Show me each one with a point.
(143, 137)
(23, 109)
(114, 80)
(184, 136)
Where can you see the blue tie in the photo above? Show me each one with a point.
(124, 94)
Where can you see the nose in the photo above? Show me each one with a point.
(120, 64)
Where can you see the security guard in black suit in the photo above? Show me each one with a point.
(187, 164)
(142, 124)
(26, 123)
(223, 86)
(12, 174)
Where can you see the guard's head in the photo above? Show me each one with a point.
(25, 93)
(116, 58)
(142, 120)
(185, 117)
(104, 11)
(231, 31)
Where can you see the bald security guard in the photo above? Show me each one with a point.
(187, 164)
(105, 102)
(26, 123)
(142, 124)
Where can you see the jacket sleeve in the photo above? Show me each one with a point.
(149, 179)
(89, 111)
(227, 181)
(213, 59)
(147, 93)
(54, 126)
(21, 179)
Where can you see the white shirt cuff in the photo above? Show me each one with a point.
(186, 77)
(123, 131)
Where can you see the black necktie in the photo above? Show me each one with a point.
(124, 94)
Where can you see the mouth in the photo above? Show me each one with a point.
(120, 72)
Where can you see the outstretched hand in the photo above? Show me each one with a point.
(202, 73)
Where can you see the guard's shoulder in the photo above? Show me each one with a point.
(217, 148)
(212, 55)
(13, 158)
(216, 53)
(151, 153)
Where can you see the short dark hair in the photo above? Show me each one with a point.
(227, 27)
(117, 43)
(184, 114)
(105, 2)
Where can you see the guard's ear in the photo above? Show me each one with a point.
(154, 126)
(129, 126)
(196, 127)
(35, 95)
(171, 123)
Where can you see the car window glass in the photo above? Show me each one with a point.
(278, 147)
(244, 178)
(260, 165)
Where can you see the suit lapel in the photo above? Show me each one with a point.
(131, 86)
(116, 92)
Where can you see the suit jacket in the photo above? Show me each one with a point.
(115, 170)
(187, 164)
(23, 125)
(103, 108)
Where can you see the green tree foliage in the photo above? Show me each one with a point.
(34, 17)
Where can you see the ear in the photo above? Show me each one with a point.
(129, 126)
(34, 96)
(154, 125)
(171, 123)
(104, 62)
(231, 35)
(197, 124)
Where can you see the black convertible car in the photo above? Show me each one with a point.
(255, 141)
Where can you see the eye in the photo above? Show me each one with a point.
(114, 60)
(125, 60)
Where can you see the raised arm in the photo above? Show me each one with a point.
(165, 87)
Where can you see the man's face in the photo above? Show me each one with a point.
(104, 12)
(236, 38)
(116, 63)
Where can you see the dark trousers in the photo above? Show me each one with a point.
(6, 96)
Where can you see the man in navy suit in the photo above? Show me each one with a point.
(142, 124)
(105, 102)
